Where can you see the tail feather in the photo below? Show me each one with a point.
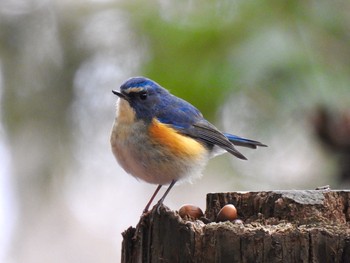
(239, 141)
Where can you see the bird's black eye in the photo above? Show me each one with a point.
(143, 95)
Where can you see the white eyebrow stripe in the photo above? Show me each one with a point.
(136, 89)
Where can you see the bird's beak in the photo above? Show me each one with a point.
(120, 95)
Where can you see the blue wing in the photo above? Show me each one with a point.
(188, 120)
(178, 113)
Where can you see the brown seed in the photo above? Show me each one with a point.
(227, 213)
(190, 211)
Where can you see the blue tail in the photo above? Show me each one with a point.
(239, 141)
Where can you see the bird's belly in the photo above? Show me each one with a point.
(151, 160)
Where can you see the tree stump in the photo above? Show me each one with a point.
(278, 226)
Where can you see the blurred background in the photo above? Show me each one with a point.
(274, 71)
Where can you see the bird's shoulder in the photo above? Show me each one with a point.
(178, 113)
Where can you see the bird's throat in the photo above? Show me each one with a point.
(125, 114)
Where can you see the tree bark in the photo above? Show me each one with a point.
(278, 226)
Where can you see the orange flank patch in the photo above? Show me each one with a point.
(174, 141)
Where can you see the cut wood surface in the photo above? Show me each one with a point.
(275, 226)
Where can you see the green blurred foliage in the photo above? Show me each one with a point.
(292, 51)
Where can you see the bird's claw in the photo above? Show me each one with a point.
(158, 206)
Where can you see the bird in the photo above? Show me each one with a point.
(162, 139)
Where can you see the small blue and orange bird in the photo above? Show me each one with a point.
(161, 139)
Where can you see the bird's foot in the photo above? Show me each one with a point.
(158, 206)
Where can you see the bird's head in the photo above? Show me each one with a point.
(144, 96)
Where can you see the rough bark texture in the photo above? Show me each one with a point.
(278, 226)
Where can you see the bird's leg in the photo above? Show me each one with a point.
(160, 202)
(151, 200)
(145, 211)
